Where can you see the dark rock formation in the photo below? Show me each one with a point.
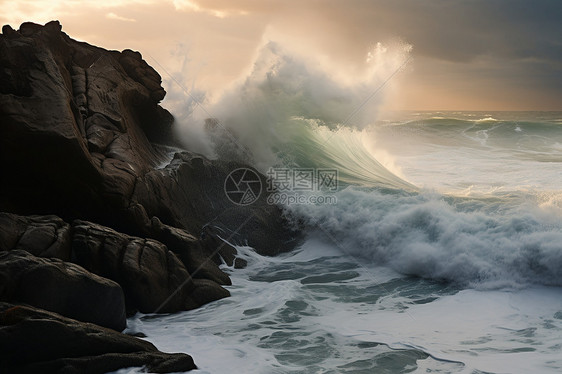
(200, 256)
(43, 236)
(152, 277)
(196, 186)
(37, 341)
(74, 126)
(61, 287)
(77, 130)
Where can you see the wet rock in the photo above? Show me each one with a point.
(61, 287)
(152, 276)
(37, 341)
(200, 258)
(196, 185)
(206, 291)
(43, 236)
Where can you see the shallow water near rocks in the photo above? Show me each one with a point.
(318, 311)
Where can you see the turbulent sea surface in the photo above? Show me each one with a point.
(443, 254)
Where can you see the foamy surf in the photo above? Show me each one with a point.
(318, 311)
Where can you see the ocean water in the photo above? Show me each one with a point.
(443, 254)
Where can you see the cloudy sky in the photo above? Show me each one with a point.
(466, 55)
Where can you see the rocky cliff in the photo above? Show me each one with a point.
(99, 217)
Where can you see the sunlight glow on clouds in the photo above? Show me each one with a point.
(44, 10)
(193, 6)
(114, 16)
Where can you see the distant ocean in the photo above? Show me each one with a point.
(443, 254)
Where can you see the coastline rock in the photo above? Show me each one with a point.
(42, 236)
(37, 341)
(74, 127)
(199, 258)
(152, 277)
(78, 126)
(206, 291)
(89, 177)
(61, 287)
(196, 186)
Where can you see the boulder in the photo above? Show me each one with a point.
(37, 341)
(200, 258)
(61, 287)
(204, 292)
(152, 276)
(42, 236)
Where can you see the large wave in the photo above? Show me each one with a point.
(289, 98)
(292, 111)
